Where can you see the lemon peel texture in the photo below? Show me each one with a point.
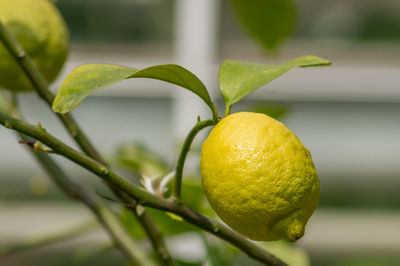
(259, 178)
(41, 30)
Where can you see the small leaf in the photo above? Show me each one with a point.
(140, 210)
(86, 79)
(268, 21)
(237, 79)
(174, 216)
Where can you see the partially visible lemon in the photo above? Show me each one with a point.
(41, 30)
(259, 178)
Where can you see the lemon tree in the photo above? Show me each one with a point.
(258, 177)
(41, 30)
(256, 174)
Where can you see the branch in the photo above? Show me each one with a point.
(153, 233)
(143, 197)
(156, 239)
(185, 149)
(41, 87)
(105, 216)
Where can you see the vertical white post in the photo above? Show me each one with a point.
(195, 49)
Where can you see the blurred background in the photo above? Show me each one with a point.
(347, 115)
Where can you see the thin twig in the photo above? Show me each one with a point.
(41, 87)
(105, 216)
(142, 196)
(153, 233)
(184, 151)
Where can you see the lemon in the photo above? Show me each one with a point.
(40, 29)
(259, 178)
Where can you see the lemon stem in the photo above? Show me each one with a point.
(227, 110)
(184, 151)
(214, 112)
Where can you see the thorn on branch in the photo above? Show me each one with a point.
(115, 200)
(74, 133)
(21, 54)
(107, 197)
(39, 125)
(29, 143)
(36, 145)
(7, 124)
(104, 170)
(140, 210)
(176, 200)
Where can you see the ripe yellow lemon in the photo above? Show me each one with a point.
(40, 29)
(259, 178)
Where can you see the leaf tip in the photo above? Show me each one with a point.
(312, 60)
(174, 217)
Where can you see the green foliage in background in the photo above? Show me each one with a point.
(268, 21)
(275, 111)
(138, 159)
(4, 105)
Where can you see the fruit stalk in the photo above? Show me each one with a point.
(143, 197)
(227, 110)
(185, 149)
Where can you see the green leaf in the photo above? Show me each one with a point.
(218, 252)
(237, 79)
(275, 111)
(138, 159)
(179, 76)
(166, 224)
(174, 216)
(268, 21)
(193, 197)
(86, 79)
(287, 252)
